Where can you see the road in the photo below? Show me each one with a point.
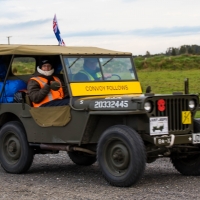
(54, 176)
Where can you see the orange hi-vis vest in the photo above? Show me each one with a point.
(52, 95)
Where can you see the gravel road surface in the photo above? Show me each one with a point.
(57, 177)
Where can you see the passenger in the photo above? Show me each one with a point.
(91, 71)
(39, 87)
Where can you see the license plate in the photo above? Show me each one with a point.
(162, 141)
(196, 138)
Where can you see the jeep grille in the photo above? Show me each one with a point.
(173, 109)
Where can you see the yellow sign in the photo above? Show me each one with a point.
(186, 117)
(104, 88)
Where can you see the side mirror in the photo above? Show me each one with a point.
(148, 89)
(55, 85)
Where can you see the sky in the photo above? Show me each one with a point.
(135, 26)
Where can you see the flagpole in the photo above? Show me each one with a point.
(57, 32)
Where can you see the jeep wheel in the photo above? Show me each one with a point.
(15, 154)
(80, 158)
(189, 166)
(121, 156)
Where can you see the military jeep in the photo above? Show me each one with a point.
(109, 120)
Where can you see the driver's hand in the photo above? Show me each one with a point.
(107, 75)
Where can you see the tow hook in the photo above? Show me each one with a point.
(172, 140)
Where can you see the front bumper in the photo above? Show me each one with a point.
(170, 140)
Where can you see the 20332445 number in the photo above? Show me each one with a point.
(111, 104)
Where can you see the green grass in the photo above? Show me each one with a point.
(168, 81)
(181, 62)
(20, 68)
(197, 114)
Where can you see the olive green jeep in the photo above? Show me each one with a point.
(108, 119)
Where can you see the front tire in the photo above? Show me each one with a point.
(189, 166)
(121, 156)
(15, 154)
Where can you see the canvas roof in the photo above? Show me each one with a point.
(55, 50)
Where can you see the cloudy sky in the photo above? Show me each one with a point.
(135, 26)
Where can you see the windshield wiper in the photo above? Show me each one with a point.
(108, 61)
(75, 61)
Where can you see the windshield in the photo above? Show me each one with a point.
(111, 68)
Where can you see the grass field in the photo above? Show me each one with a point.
(168, 81)
(180, 62)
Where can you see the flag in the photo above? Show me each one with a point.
(57, 32)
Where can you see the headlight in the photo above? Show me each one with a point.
(147, 106)
(191, 104)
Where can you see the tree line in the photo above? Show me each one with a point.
(174, 51)
(184, 49)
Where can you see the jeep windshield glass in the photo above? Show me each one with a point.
(84, 69)
(108, 61)
(74, 62)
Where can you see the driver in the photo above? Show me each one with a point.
(91, 70)
(39, 87)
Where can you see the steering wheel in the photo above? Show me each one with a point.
(119, 77)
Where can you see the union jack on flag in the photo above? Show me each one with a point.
(57, 31)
